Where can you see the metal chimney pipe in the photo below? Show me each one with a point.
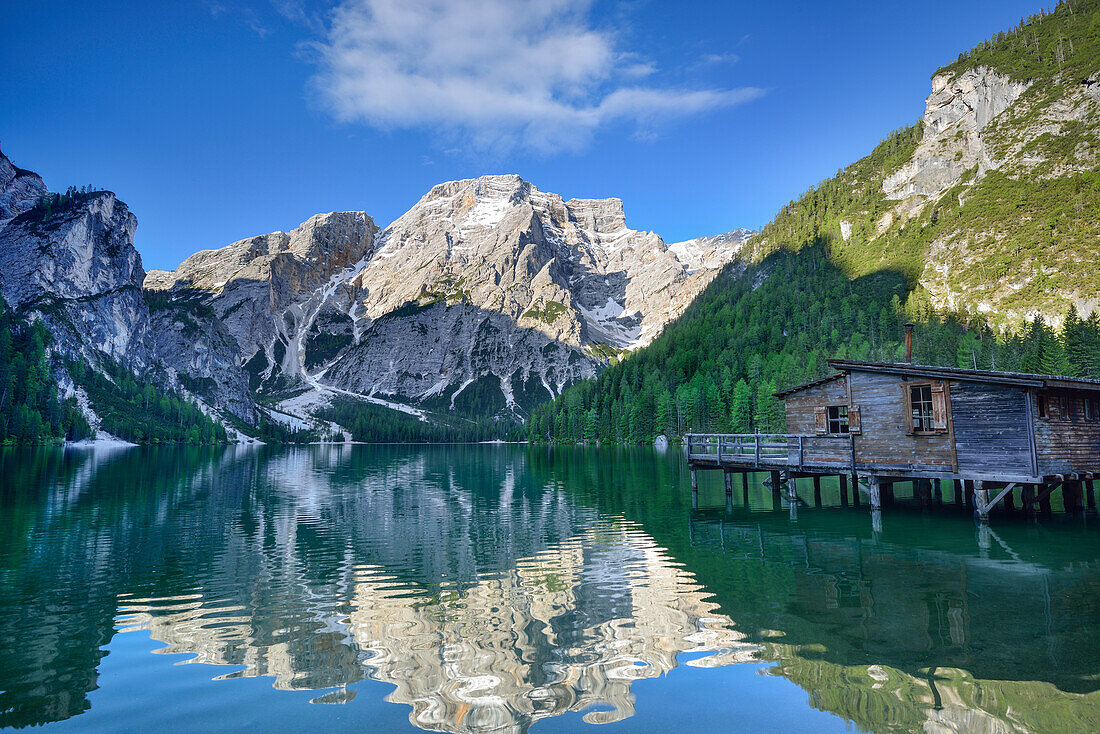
(909, 342)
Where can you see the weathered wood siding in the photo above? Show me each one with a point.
(885, 442)
(800, 408)
(991, 428)
(801, 405)
(1067, 445)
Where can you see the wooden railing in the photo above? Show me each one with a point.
(733, 446)
(772, 449)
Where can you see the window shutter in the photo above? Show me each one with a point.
(907, 403)
(821, 421)
(939, 407)
(854, 424)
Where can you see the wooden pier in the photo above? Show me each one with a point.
(996, 436)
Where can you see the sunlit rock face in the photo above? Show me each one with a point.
(975, 123)
(485, 282)
(78, 269)
(956, 117)
(252, 283)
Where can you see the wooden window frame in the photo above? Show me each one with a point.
(1043, 401)
(1090, 409)
(842, 422)
(939, 401)
(1065, 407)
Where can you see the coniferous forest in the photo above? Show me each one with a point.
(129, 408)
(30, 411)
(774, 325)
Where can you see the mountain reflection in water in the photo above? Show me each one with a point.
(493, 587)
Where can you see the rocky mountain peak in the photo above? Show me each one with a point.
(603, 215)
(19, 189)
(957, 120)
(70, 261)
(711, 252)
(486, 285)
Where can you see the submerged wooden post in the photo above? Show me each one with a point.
(875, 494)
(843, 490)
(1027, 497)
(1071, 497)
(745, 488)
(958, 490)
(729, 484)
(968, 492)
(1010, 502)
(981, 500)
(694, 489)
(887, 492)
(776, 481)
(1044, 503)
(817, 490)
(923, 490)
(937, 491)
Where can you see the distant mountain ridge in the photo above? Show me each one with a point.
(488, 293)
(486, 298)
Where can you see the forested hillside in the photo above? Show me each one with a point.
(774, 325)
(128, 408)
(991, 203)
(981, 223)
(30, 411)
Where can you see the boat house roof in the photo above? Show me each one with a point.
(1021, 379)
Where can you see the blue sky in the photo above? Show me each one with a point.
(216, 120)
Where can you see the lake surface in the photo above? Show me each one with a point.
(508, 588)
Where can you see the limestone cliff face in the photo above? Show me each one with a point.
(73, 265)
(957, 120)
(19, 189)
(252, 283)
(484, 282)
(978, 122)
(77, 268)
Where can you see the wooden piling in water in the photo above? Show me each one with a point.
(843, 490)
(981, 500)
(1072, 497)
(874, 492)
(1027, 498)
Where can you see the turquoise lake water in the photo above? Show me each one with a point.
(513, 588)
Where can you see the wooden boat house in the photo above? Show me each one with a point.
(935, 422)
(889, 422)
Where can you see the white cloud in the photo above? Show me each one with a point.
(720, 59)
(497, 72)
